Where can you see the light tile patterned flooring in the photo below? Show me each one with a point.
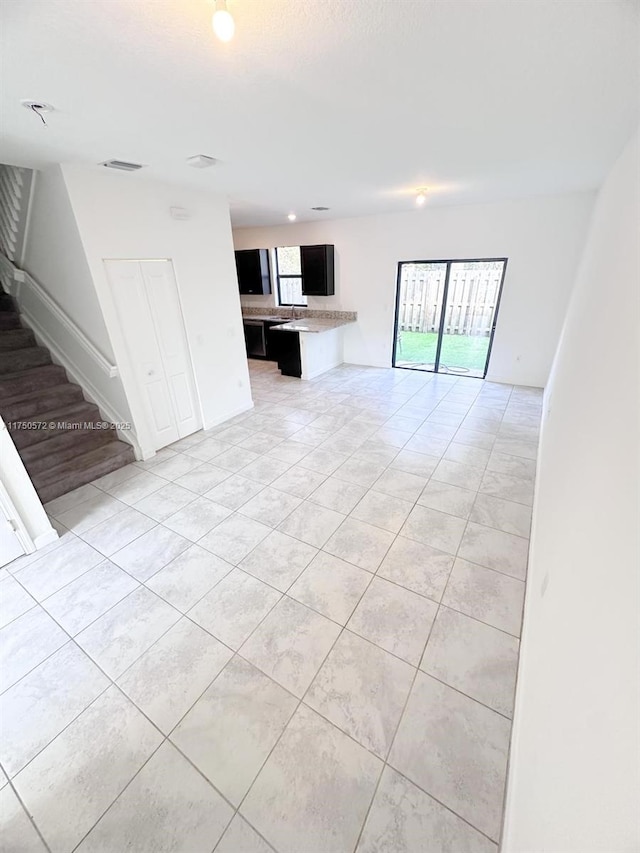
(297, 632)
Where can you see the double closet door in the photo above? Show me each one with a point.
(148, 306)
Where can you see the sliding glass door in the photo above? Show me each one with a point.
(446, 313)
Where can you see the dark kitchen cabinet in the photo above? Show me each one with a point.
(285, 349)
(253, 271)
(259, 338)
(270, 351)
(318, 277)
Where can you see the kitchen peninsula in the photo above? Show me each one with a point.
(307, 346)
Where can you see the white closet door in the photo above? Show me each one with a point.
(138, 329)
(162, 293)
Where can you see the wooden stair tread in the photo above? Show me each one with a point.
(82, 462)
(39, 376)
(65, 445)
(27, 396)
(34, 390)
(13, 340)
(82, 469)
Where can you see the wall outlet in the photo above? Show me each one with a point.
(179, 213)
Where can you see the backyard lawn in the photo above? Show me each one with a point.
(460, 353)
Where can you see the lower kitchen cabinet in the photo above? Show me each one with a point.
(285, 347)
(259, 338)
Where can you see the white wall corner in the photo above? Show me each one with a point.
(23, 505)
(575, 739)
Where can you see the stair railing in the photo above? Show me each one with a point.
(40, 312)
(15, 189)
(19, 283)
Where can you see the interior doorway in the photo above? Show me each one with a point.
(146, 298)
(446, 314)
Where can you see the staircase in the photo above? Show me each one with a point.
(15, 186)
(35, 391)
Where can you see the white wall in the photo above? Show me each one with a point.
(55, 257)
(125, 216)
(574, 783)
(18, 485)
(542, 237)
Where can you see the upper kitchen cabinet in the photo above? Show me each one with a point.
(253, 271)
(317, 270)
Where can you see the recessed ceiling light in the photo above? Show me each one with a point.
(38, 107)
(421, 196)
(223, 24)
(201, 161)
(320, 207)
(291, 217)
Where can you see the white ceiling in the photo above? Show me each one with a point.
(345, 103)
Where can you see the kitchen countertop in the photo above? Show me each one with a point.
(311, 324)
(271, 317)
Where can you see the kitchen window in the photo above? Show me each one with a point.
(289, 276)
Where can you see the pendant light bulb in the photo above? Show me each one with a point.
(421, 198)
(223, 24)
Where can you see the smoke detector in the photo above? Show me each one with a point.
(201, 161)
(122, 165)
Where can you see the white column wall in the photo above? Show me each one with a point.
(574, 779)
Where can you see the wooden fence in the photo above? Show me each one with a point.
(470, 305)
(291, 292)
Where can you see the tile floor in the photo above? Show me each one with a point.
(296, 632)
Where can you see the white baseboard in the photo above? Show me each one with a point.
(45, 538)
(321, 371)
(226, 417)
(509, 380)
(146, 454)
(143, 454)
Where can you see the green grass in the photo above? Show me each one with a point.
(459, 353)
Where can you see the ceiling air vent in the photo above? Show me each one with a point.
(122, 165)
(201, 161)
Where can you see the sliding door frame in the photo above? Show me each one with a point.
(445, 295)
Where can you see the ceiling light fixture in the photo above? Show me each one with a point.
(223, 24)
(421, 197)
(38, 107)
(291, 217)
